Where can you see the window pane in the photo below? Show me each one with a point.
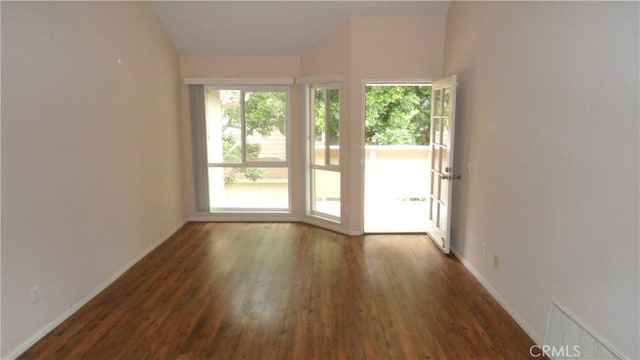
(248, 188)
(442, 221)
(435, 133)
(265, 114)
(223, 126)
(434, 215)
(318, 156)
(334, 126)
(447, 102)
(436, 158)
(325, 192)
(444, 128)
(434, 183)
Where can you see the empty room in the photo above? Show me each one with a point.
(220, 180)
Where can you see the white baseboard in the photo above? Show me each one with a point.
(329, 225)
(244, 217)
(85, 299)
(496, 295)
(273, 217)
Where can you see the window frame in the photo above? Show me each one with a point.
(311, 136)
(286, 89)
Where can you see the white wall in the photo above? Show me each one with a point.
(331, 55)
(554, 189)
(91, 160)
(392, 47)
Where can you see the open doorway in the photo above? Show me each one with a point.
(397, 121)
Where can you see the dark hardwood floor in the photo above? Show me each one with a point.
(289, 291)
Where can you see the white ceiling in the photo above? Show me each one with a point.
(227, 28)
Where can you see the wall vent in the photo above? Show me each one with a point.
(568, 337)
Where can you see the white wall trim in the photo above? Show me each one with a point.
(362, 125)
(325, 224)
(397, 81)
(244, 217)
(585, 326)
(319, 79)
(257, 217)
(25, 345)
(239, 81)
(496, 295)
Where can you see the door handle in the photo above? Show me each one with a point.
(450, 177)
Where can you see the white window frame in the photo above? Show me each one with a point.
(327, 166)
(258, 164)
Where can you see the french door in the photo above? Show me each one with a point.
(441, 164)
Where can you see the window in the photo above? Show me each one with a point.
(246, 148)
(324, 161)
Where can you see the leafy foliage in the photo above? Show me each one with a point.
(232, 154)
(397, 115)
(264, 113)
(333, 97)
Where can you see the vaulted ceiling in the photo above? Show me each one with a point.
(263, 28)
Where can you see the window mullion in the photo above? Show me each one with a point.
(311, 121)
(243, 130)
(327, 127)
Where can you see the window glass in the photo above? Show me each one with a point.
(324, 125)
(249, 188)
(245, 127)
(265, 114)
(223, 126)
(333, 131)
(319, 126)
(326, 192)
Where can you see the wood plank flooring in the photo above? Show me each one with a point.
(289, 291)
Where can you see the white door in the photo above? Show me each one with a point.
(442, 175)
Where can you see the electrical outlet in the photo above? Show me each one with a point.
(35, 295)
(484, 249)
(496, 261)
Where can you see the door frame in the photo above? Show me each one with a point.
(361, 128)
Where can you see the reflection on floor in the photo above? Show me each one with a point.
(396, 216)
(289, 291)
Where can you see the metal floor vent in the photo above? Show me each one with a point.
(568, 338)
